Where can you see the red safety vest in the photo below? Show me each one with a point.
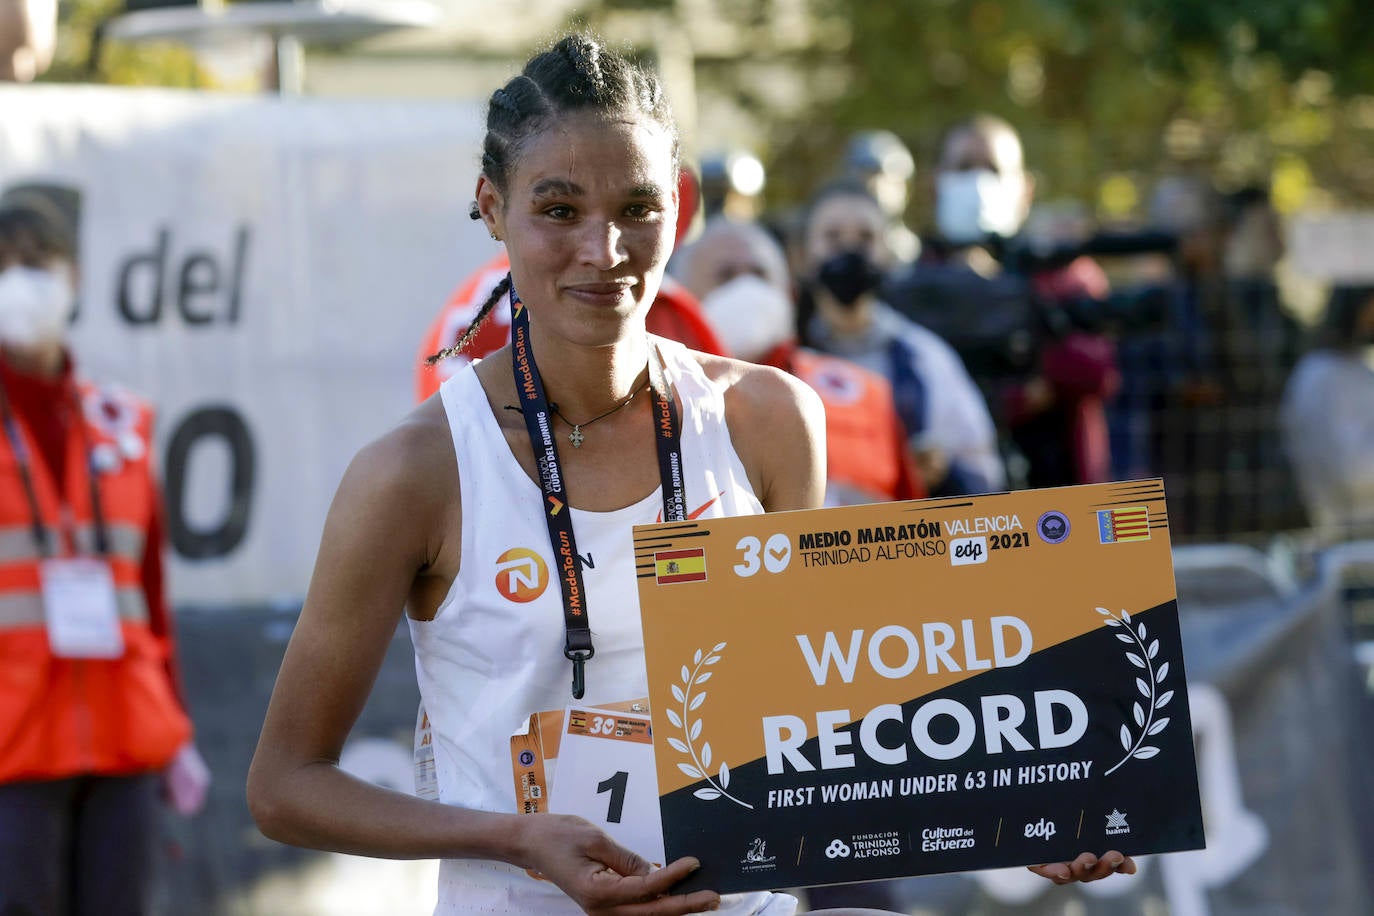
(58, 716)
(866, 455)
(675, 314)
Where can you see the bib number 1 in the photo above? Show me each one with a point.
(605, 773)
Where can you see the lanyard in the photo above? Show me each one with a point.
(21, 456)
(577, 646)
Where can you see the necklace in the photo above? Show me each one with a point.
(576, 437)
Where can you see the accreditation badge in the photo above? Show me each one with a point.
(871, 692)
(80, 608)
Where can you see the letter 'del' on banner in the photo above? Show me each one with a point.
(901, 689)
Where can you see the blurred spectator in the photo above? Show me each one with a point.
(1328, 418)
(739, 272)
(1058, 369)
(675, 314)
(881, 162)
(843, 256)
(731, 184)
(28, 35)
(92, 723)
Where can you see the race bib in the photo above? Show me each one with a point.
(604, 760)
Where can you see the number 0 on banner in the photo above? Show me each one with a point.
(606, 774)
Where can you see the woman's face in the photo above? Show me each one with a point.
(588, 219)
(845, 222)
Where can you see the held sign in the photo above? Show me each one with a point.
(901, 689)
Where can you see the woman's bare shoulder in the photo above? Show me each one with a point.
(777, 425)
(410, 469)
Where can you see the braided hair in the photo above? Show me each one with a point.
(578, 74)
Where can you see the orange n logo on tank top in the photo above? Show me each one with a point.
(521, 575)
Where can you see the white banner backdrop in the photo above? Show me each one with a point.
(262, 270)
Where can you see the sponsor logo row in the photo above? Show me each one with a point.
(928, 840)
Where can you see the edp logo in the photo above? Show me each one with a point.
(1044, 829)
(967, 551)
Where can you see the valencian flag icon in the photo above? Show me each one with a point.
(673, 566)
(1131, 524)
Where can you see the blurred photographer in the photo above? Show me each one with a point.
(1019, 322)
(843, 259)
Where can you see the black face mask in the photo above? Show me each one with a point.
(848, 276)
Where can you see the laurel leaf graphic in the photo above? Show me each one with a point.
(705, 676)
(1104, 612)
(1125, 738)
(1125, 616)
(1112, 622)
(1140, 629)
(678, 746)
(713, 659)
(686, 678)
(1158, 726)
(1143, 687)
(690, 770)
(1146, 752)
(1124, 638)
(1154, 649)
(1159, 675)
(1165, 697)
(724, 775)
(718, 646)
(706, 754)
(1134, 659)
(696, 657)
(697, 700)
(695, 733)
(1138, 713)
(674, 718)
(677, 693)
(706, 794)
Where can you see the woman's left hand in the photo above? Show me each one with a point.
(1087, 867)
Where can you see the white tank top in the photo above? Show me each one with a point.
(493, 654)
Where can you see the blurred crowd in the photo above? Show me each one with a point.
(1008, 346)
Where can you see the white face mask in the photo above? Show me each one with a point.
(751, 316)
(969, 206)
(34, 305)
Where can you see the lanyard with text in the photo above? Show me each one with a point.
(539, 424)
(23, 459)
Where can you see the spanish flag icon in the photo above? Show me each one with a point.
(673, 566)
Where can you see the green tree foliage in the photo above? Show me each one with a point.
(82, 58)
(1247, 91)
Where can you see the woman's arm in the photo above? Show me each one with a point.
(379, 538)
(384, 535)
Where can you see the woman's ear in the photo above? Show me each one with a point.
(489, 207)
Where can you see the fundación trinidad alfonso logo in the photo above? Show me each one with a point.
(521, 575)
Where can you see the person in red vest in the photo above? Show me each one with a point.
(740, 274)
(675, 314)
(93, 729)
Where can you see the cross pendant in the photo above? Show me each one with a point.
(576, 437)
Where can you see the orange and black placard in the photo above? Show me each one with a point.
(908, 688)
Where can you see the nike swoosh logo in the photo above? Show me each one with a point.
(696, 513)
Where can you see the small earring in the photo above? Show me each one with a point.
(494, 236)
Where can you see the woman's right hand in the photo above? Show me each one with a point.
(602, 876)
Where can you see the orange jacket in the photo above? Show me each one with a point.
(866, 454)
(675, 314)
(58, 716)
